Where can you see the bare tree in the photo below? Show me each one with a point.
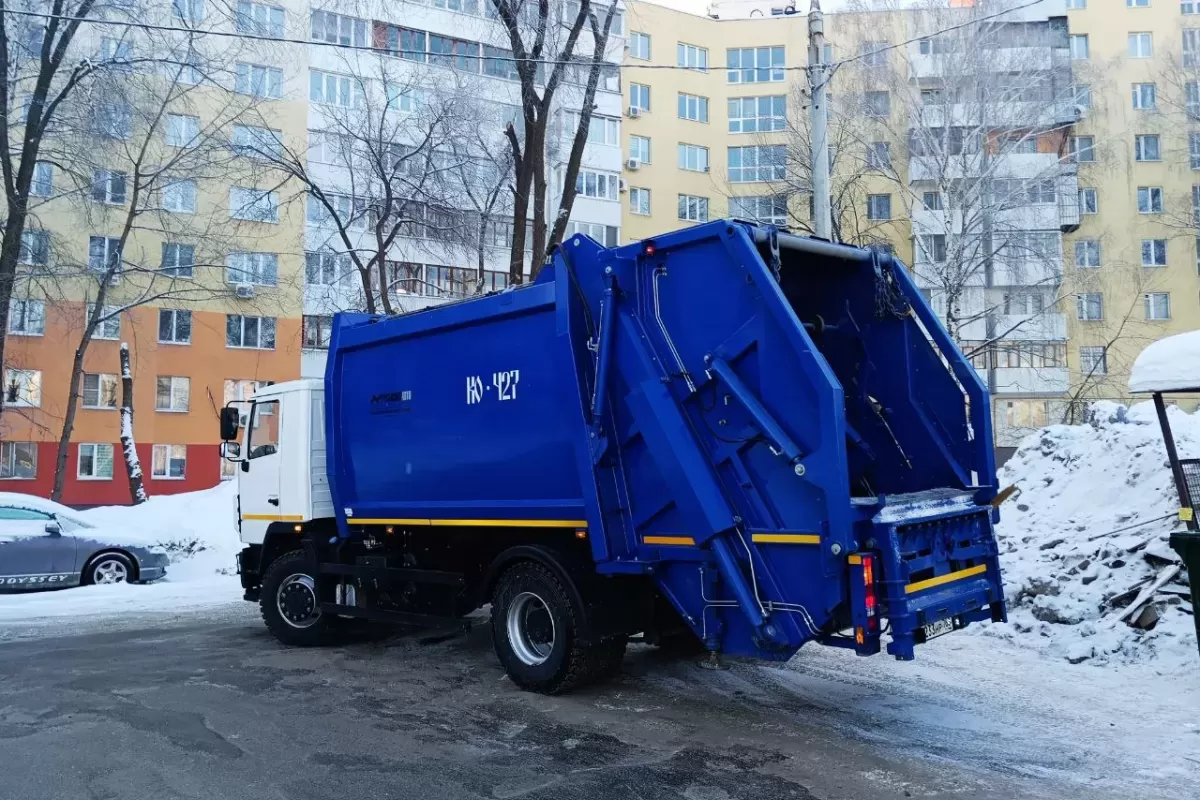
(543, 37)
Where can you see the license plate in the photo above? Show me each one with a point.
(938, 628)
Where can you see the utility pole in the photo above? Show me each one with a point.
(818, 79)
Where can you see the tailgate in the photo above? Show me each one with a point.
(938, 565)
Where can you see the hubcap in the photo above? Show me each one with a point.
(530, 628)
(111, 571)
(297, 601)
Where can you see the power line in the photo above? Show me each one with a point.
(404, 54)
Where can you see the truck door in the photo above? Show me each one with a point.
(258, 482)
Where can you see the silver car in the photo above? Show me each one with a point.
(44, 545)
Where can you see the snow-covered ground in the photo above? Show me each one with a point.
(198, 529)
(1087, 534)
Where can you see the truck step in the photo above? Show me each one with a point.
(396, 617)
(394, 574)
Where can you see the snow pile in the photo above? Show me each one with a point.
(1169, 364)
(198, 530)
(1084, 543)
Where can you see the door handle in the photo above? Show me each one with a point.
(273, 501)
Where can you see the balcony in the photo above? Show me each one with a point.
(1041, 327)
(1030, 380)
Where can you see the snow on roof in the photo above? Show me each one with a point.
(1168, 365)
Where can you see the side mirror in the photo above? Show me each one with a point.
(53, 528)
(231, 451)
(230, 416)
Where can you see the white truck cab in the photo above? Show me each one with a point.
(281, 459)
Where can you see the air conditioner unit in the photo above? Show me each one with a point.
(632, 164)
(622, 185)
(244, 290)
(634, 112)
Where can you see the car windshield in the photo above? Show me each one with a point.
(30, 512)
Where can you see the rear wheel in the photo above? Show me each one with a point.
(535, 630)
(109, 568)
(291, 605)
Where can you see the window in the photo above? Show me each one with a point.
(1026, 413)
(693, 208)
(172, 393)
(693, 157)
(255, 205)
(23, 388)
(639, 148)
(402, 42)
(639, 202)
(879, 155)
(1077, 5)
(168, 462)
(757, 163)
(1191, 47)
(259, 18)
(497, 62)
(1089, 306)
(259, 81)
(1189, 7)
(874, 54)
(601, 185)
(1138, 3)
(258, 268)
(255, 141)
(113, 121)
(608, 235)
(754, 64)
(26, 317)
(639, 96)
(1093, 361)
(1150, 199)
(104, 254)
(178, 260)
(35, 248)
(879, 207)
(100, 391)
(333, 89)
(689, 56)
(108, 187)
(1083, 149)
(693, 107)
(182, 130)
(338, 29)
(174, 326)
(325, 268)
(601, 130)
(180, 196)
(317, 331)
(933, 247)
(109, 326)
(1141, 45)
(1158, 305)
(931, 46)
(1079, 45)
(18, 460)
(95, 462)
(770, 209)
(639, 45)
(1154, 252)
(1083, 96)
(453, 53)
(189, 11)
(757, 114)
(1024, 303)
(42, 184)
(877, 104)
(1196, 205)
(253, 332)
(1144, 97)
(1145, 147)
(932, 201)
(1194, 149)
(1087, 253)
(933, 97)
(1089, 201)
(1192, 99)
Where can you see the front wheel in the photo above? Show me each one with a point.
(109, 568)
(535, 631)
(291, 605)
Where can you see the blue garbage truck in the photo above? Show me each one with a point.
(728, 437)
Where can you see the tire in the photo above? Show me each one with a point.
(288, 589)
(109, 568)
(535, 631)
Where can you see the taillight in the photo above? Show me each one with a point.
(869, 599)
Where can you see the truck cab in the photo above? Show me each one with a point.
(280, 455)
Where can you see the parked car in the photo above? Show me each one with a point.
(45, 545)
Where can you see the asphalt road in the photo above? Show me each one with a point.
(178, 708)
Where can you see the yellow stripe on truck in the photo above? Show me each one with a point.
(273, 517)
(786, 538)
(943, 579)
(669, 540)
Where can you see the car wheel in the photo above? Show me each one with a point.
(109, 568)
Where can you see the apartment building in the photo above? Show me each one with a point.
(231, 273)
